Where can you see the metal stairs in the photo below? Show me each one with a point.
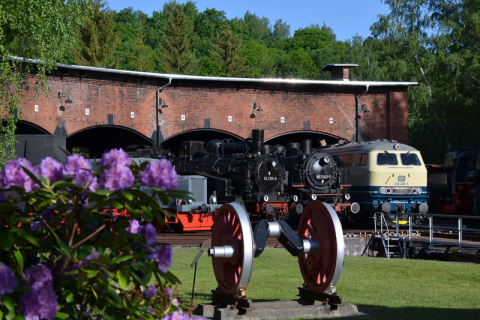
(395, 247)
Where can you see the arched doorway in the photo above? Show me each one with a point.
(173, 143)
(297, 136)
(95, 141)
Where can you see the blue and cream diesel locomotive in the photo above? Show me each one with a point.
(385, 176)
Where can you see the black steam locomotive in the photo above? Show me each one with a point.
(272, 183)
(455, 186)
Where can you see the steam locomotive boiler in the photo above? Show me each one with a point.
(455, 187)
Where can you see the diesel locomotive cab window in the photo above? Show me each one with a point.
(361, 160)
(387, 159)
(410, 159)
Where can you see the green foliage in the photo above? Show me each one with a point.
(97, 39)
(42, 30)
(176, 45)
(226, 54)
(99, 268)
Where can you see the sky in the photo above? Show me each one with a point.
(346, 17)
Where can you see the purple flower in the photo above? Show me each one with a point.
(117, 177)
(92, 256)
(163, 257)
(14, 175)
(168, 292)
(46, 215)
(39, 302)
(134, 226)
(75, 164)
(160, 174)
(150, 292)
(84, 178)
(150, 233)
(175, 302)
(115, 156)
(7, 279)
(38, 273)
(50, 169)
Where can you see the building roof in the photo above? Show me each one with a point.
(230, 79)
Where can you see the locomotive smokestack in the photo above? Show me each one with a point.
(257, 137)
(306, 145)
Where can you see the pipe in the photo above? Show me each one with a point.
(157, 107)
(357, 118)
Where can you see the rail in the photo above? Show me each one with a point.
(460, 228)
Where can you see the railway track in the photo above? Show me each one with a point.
(202, 238)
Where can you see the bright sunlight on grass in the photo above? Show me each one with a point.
(386, 289)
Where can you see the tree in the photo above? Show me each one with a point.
(281, 30)
(142, 55)
(226, 54)
(313, 38)
(176, 46)
(32, 30)
(97, 38)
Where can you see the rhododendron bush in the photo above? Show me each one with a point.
(61, 258)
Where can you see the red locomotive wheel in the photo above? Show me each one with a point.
(232, 228)
(322, 269)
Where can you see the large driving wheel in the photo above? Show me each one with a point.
(232, 228)
(322, 269)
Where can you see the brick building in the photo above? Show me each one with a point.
(99, 108)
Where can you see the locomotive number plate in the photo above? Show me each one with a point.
(265, 178)
(322, 176)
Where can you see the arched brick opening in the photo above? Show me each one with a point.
(173, 143)
(99, 139)
(26, 127)
(297, 136)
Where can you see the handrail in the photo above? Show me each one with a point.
(431, 227)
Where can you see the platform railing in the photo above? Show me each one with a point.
(460, 228)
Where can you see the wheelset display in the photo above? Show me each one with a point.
(318, 244)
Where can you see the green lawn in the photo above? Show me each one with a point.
(385, 288)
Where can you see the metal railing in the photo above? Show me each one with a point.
(460, 228)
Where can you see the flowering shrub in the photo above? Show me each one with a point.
(61, 258)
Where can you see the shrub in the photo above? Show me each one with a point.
(61, 258)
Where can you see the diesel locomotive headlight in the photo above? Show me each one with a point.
(419, 190)
(189, 201)
(314, 197)
(382, 190)
(347, 196)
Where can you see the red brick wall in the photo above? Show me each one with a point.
(118, 95)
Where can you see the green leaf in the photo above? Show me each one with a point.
(27, 236)
(6, 238)
(114, 294)
(147, 213)
(91, 273)
(69, 298)
(82, 279)
(122, 276)
(122, 258)
(61, 315)
(8, 302)
(64, 184)
(170, 277)
(84, 252)
(19, 317)
(19, 257)
(64, 249)
(104, 192)
(103, 259)
(127, 195)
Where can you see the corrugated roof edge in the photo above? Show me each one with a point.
(227, 79)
